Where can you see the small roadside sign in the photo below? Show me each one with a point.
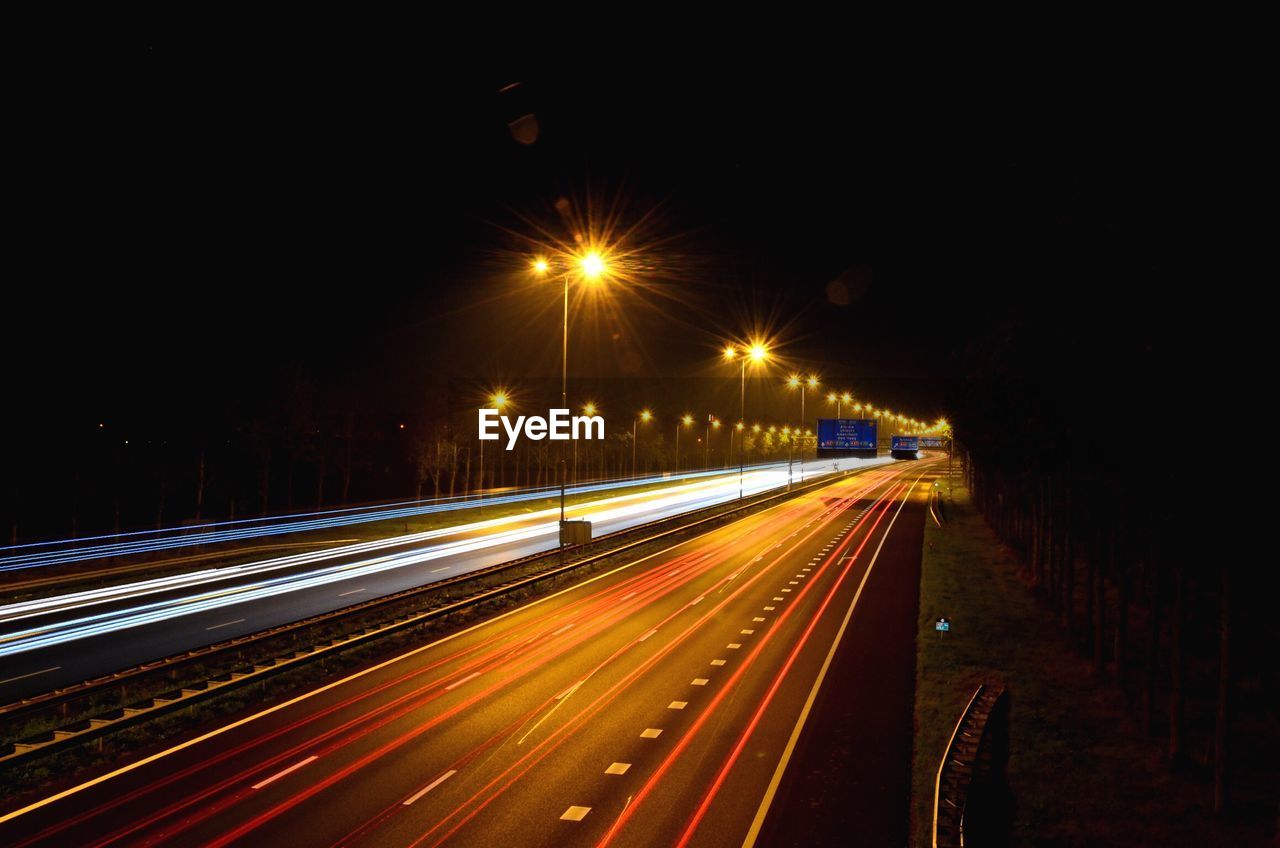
(942, 625)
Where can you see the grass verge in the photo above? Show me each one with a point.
(1081, 770)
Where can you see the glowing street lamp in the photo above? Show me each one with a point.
(589, 408)
(795, 382)
(498, 399)
(712, 422)
(757, 352)
(646, 416)
(685, 421)
(592, 267)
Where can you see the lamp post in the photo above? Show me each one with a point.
(685, 421)
(589, 408)
(592, 267)
(712, 421)
(795, 382)
(645, 416)
(756, 352)
(499, 401)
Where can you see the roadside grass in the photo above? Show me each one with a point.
(1081, 771)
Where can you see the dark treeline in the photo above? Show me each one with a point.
(1101, 449)
(308, 444)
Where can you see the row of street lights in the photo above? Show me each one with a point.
(591, 267)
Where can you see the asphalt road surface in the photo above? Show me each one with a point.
(56, 641)
(663, 703)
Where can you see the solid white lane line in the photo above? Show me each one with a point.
(30, 674)
(455, 684)
(352, 592)
(754, 832)
(273, 778)
(618, 768)
(225, 624)
(432, 785)
(651, 733)
(575, 814)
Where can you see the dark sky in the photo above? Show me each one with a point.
(199, 219)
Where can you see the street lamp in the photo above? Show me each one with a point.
(685, 421)
(645, 416)
(588, 409)
(756, 352)
(498, 400)
(794, 382)
(712, 421)
(592, 267)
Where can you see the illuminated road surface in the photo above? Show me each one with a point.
(64, 639)
(654, 704)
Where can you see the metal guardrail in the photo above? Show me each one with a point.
(181, 698)
(956, 770)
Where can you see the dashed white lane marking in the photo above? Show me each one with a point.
(733, 646)
(618, 768)
(31, 674)
(563, 629)
(700, 681)
(770, 609)
(776, 598)
(445, 568)
(746, 632)
(647, 635)
(651, 733)
(786, 590)
(677, 705)
(793, 583)
(225, 624)
(629, 595)
(432, 785)
(758, 618)
(697, 601)
(575, 814)
(717, 662)
(455, 684)
(273, 778)
(352, 592)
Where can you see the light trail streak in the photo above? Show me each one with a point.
(625, 510)
(63, 551)
(603, 600)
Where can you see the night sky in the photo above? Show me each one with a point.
(200, 219)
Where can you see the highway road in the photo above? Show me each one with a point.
(661, 703)
(51, 642)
